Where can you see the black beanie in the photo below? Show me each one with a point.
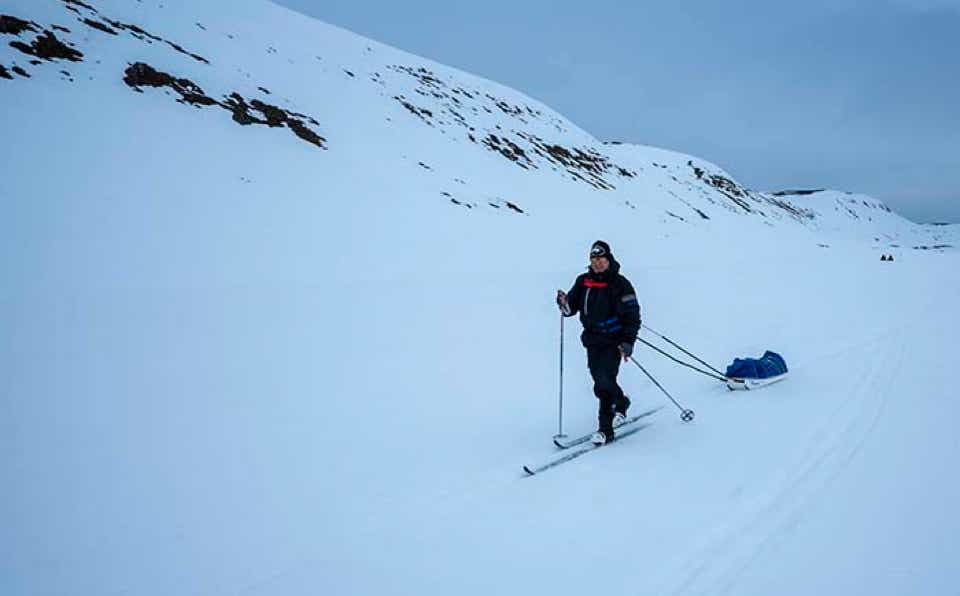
(601, 249)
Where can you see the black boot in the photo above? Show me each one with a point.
(622, 406)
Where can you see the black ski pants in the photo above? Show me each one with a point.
(604, 364)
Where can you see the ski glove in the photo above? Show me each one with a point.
(562, 303)
(626, 349)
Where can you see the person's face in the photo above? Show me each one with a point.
(599, 264)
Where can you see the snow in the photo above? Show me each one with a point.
(236, 363)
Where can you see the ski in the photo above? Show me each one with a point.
(571, 455)
(583, 439)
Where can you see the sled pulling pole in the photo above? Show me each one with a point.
(678, 361)
(685, 414)
(722, 377)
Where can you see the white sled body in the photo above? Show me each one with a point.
(747, 384)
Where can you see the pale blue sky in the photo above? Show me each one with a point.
(845, 94)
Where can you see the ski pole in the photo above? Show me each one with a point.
(560, 434)
(685, 414)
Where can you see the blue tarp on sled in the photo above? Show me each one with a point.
(769, 365)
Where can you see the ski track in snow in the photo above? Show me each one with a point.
(730, 548)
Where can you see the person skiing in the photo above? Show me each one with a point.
(610, 315)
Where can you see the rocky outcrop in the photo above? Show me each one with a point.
(48, 47)
(11, 25)
(143, 75)
(139, 75)
(519, 145)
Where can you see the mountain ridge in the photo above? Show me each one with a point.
(390, 85)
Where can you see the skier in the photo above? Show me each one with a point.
(610, 315)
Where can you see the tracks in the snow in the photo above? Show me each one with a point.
(777, 504)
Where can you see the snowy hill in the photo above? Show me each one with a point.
(278, 315)
(845, 214)
(260, 65)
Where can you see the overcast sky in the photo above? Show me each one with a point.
(846, 94)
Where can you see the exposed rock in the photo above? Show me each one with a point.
(423, 113)
(698, 172)
(727, 187)
(98, 25)
(4, 74)
(586, 165)
(79, 3)
(134, 30)
(304, 117)
(508, 149)
(456, 202)
(506, 108)
(784, 193)
(301, 130)
(423, 75)
(11, 25)
(143, 75)
(241, 110)
(792, 209)
(144, 35)
(196, 57)
(274, 115)
(48, 47)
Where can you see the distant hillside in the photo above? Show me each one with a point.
(483, 146)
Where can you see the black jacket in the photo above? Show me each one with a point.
(608, 307)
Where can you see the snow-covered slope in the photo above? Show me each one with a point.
(845, 215)
(370, 105)
(277, 312)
